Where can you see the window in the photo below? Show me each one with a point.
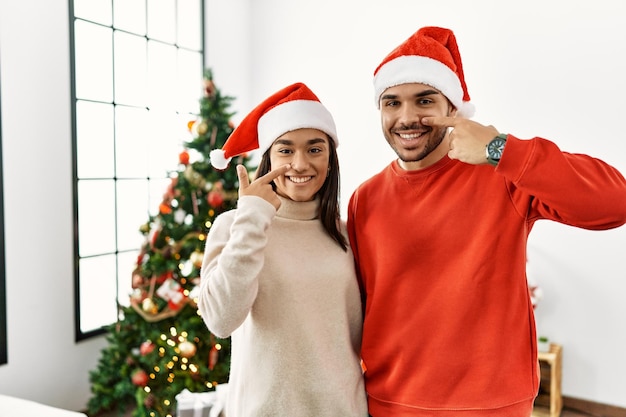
(137, 71)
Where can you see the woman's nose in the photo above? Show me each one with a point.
(299, 161)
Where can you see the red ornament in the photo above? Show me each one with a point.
(165, 208)
(215, 198)
(139, 378)
(213, 355)
(183, 157)
(146, 347)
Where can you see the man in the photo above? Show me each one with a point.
(440, 238)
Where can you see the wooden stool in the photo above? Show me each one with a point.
(549, 401)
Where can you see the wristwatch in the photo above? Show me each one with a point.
(494, 149)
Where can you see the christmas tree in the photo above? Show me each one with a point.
(160, 345)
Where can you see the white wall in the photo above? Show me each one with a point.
(45, 364)
(554, 71)
(534, 68)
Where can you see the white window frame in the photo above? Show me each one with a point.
(126, 103)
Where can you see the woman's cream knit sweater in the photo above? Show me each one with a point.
(288, 295)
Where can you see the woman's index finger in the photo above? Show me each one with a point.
(275, 173)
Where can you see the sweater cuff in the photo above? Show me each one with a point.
(517, 153)
(257, 205)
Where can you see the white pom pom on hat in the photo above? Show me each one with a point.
(430, 56)
(293, 107)
(218, 159)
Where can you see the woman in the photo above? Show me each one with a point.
(278, 274)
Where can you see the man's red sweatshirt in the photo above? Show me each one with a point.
(441, 255)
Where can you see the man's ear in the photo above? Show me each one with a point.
(452, 111)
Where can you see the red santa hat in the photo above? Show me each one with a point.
(293, 107)
(430, 56)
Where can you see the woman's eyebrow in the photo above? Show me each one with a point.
(309, 142)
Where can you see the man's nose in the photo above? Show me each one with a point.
(409, 115)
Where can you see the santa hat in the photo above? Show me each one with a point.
(293, 107)
(430, 56)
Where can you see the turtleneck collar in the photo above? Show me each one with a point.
(298, 210)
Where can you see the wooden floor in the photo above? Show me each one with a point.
(573, 413)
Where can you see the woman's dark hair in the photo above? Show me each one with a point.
(329, 193)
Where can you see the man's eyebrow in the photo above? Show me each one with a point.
(420, 94)
(427, 93)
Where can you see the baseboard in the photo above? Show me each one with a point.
(593, 408)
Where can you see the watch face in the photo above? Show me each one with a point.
(495, 148)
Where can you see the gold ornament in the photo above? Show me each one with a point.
(149, 306)
(187, 349)
(196, 258)
(202, 128)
